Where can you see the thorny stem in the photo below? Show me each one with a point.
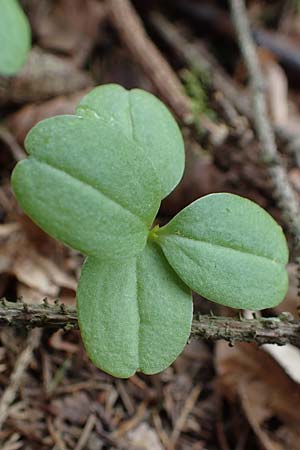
(276, 330)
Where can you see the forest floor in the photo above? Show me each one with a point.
(215, 396)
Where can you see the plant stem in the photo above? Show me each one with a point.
(276, 330)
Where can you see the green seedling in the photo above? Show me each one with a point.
(15, 37)
(95, 181)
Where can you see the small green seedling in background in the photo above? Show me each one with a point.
(15, 37)
(95, 181)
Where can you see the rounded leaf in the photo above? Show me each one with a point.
(15, 37)
(144, 118)
(88, 186)
(229, 250)
(134, 315)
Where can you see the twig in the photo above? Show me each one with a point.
(90, 423)
(8, 138)
(132, 33)
(276, 330)
(21, 314)
(268, 151)
(187, 408)
(165, 81)
(212, 17)
(195, 55)
(17, 374)
(231, 99)
(160, 429)
(57, 439)
(13, 442)
(133, 422)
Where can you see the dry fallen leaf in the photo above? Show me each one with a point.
(291, 302)
(40, 273)
(288, 356)
(19, 256)
(44, 76)
(200, 177)
(68, 26)
(25, 118)
(144, 438)
(74, 408)
(58, 343)
(277, 92)
(267, 394)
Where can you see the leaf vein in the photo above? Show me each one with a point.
(243, 251)
(90, 185)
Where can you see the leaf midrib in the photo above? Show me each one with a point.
(90, 185)
(227, 247)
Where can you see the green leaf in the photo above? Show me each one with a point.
(144, 118)
(15, 37)
(229, 250)
(88, 186)
(134, 314)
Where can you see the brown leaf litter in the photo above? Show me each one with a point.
(268, 397)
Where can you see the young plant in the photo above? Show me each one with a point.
(95, 181)
(15, 37)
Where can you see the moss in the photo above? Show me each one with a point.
(197, 85)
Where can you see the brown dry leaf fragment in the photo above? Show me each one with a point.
(175, 394)
(44, 76)
(294, 173)
(265, 391)
(42, 242)
(196, 354)
(41, 273)
(291, 302)
(183, 417)
(7, 245)
(25, 118)
(252, 397)
(68, 26)
(144, 437)
(13, 443)
(58, 343)
(8, 228)
(127, 425)
(56, 437)
(30, 295)
(20, 257)
(288, 356)
(74, 408)
(7, 248)
(277, 90)
(200, 177)
(86, 432)
(125, 397)
(35, 296)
